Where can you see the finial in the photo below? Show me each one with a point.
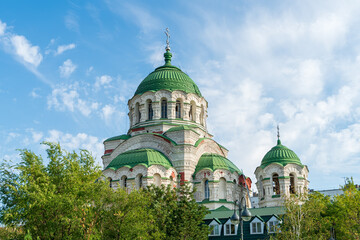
(167, 33)
(278, 135)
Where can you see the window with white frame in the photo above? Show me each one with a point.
(230, 229)
(273, 224)
(256, 226)
(215, 227)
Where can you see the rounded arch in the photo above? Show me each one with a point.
(110, 182)
(222, 188)
(137, 113)
(124, 182)
(179, 106)
(157, 179)
(292, 185)
(149, 109)
(139, 181)
(164, 107)
(206, 188)
(275, 184)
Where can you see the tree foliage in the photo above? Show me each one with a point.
(69, 199)
(313, 216)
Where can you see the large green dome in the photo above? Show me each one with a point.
(280, 155)
(168, 77)
(213, 162)
(142, 156)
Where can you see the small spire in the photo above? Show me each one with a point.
(167, 54)
(278, 135)
(167, 33)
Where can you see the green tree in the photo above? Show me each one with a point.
(345, 212)
(67, 199)
(305, 218)
(177, 213)
(70, 199)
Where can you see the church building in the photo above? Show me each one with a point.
(168, 143)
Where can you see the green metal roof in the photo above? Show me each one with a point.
(181, 128)
(213, 162)
(168, 77)
(224, 212)
(280, 155)
(120, 137)
(143, 156)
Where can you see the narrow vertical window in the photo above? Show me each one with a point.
(150, 111)
(157, 180)
(276, 185)
(191, 113)
(124, 181)
(137, 113)
(110, 182)
(292, 184)
(178, 109)
(163, 109)
(207, 190)
(222, 188)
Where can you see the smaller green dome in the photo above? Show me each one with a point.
(168, 77)
(142, 156)
(280, 155)
(213, 162)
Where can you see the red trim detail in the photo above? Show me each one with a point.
(108, 151)
(137, 129)
(163, 138)
(159, 132)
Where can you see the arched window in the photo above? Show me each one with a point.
(191, 113)
(178, 109)
(276, 185)
(157, 180)
(110, 182)
(124, 181)
(150, 110)
(222, 188)
(292, 188)
(139, 179)
(137, 113)
(206, 189)
(163, 108)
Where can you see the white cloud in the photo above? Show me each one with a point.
(102, 81)
(79, 141)
(63, 48)
(107, 112)
(25, 51)
(67, 68)
(68, 99)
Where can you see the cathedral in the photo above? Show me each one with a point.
(168, 143)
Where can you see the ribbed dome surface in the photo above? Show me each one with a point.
(281, 155)
(213, 162)
(143, 156)
(168, 77)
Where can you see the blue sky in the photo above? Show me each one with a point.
(69, 67)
